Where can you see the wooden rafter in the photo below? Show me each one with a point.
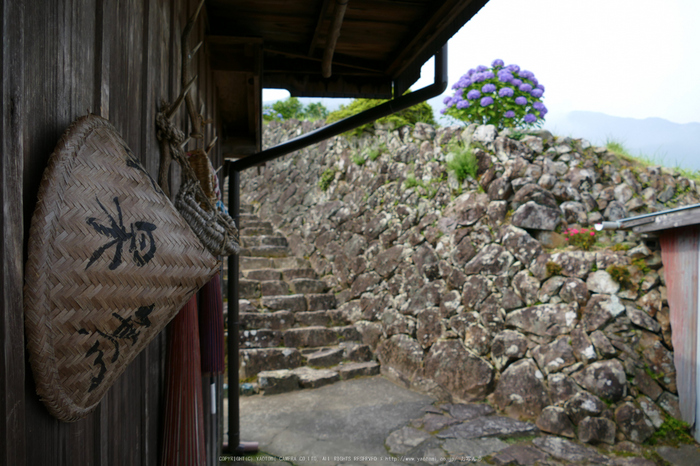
(332, 38)
(317, 30)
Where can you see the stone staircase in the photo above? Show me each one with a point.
(291, 335)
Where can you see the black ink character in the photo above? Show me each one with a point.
(133, 162)
(125, 331)
(142, 244)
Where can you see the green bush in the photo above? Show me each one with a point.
(553, 268)
(463, 163)
(293, 108)
(326, 179)
(620, 274)
(418, 113)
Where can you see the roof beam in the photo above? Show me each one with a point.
(317, 31)
(423, 37)
(332, 38)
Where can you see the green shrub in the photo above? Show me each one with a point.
(358, 159)
(411, 182)
(583, 238)
(464, 163)
(620, 274)
(326, 179)
(553, 268)
(422, 112)
(673, 431)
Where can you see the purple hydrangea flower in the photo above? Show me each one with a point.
(505, 76)
(478, 77)
(486, 101)
(521, 100)
(464, 82)
(526, 74)
(471, 72)
(497, 62)
(534, 81)
(538, 106)
(509, 114)
(513, 68)
(540, 86)
(488, 88)
(447, 100)
(481, 68)
(443, 111)
(489, 74)
(473, 94)
(543, 113)
(462, 104)
(536, 93)
(516, 82)
(456, 85)
(506, 92)
(529, 118)
(525, 87)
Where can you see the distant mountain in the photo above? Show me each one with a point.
(669, 144)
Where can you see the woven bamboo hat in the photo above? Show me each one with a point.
(110, 264)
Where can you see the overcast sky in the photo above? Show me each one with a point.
(626, 58)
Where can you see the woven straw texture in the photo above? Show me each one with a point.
(110, 263)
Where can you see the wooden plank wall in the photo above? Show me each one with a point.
(61, 59)
(680, 252)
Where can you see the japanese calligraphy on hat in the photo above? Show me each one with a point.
(110, 263)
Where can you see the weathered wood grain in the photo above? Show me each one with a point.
(680, 251)
(12, 364)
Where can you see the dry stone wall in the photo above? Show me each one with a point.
(467, 290)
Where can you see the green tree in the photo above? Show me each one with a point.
(421, 112)
(289, 108)
(315, 111)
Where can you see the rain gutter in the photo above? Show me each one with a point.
(640, 219)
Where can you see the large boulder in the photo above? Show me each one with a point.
(606, 379)
(401, 358)
(633, 423)
(494, 259)
(519, 243)
(537, 217)
(547, 320)
(520, 391)
(508, 346)
(466, 376)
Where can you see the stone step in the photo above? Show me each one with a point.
(282, 381)
(254, 263)
(280, 320)
(307, 286)
(265, 251)
(311, 337)
(249, 289)
(275, 288)
(312, 319)
(256, 231)
(263, 240)
(294, 303)
(320, 301)
(262, 338)
(253, 361)
(291, 262)
(294, 273)
(263, 274)
(254, 224)
(245, 217)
